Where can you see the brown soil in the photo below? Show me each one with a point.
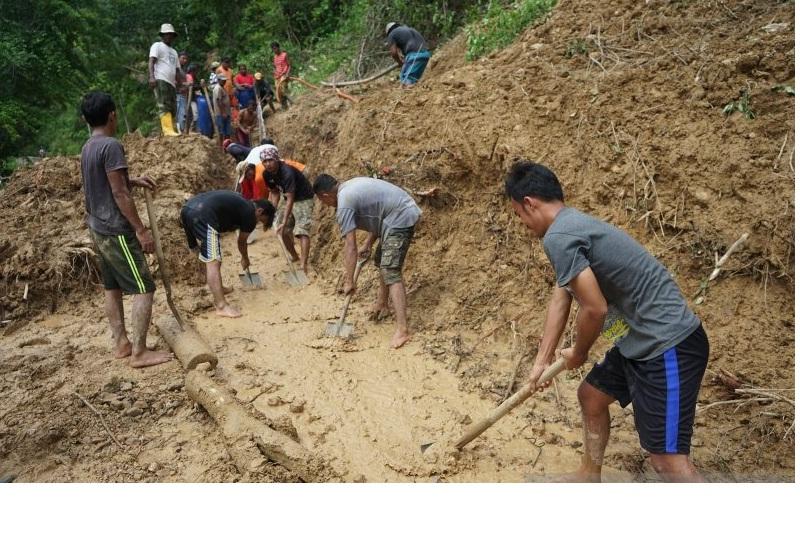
(634, 128)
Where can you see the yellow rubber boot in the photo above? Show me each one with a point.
(167, 128)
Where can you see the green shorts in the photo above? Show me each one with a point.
(166, 98)
(391, 254)
(122, 263)
(301, 219)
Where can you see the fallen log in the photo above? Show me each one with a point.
(241, 428)
(188, 346)
(384, 72)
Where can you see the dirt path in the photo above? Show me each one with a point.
(365, 407)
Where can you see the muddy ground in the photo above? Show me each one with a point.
(624, 101)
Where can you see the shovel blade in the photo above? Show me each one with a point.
(297, 278)
(345, 332)
(253, 280)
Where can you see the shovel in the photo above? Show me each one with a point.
(503, 409)
(294, 277)
(250, 280)
(162, 262)
(339, 328)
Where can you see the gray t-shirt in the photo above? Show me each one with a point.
(375, 206)
(99, 156)
(407, 39)
(647, 314)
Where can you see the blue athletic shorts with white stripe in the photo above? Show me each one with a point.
(663, 391)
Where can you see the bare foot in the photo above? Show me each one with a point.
(229, 311)
(400, 338)
(123, 350)
(150, 358)
(227, 290)
(376, 315)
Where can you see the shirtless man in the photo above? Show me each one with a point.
(119, 236)
(207, 215)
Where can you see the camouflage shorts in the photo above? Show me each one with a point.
(391, 254)
(166, 98)
(301, 219)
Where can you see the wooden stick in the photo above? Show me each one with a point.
(102, 420)
(727, 255)
(211, 111)
(162, 261)
(500, 411)
(344, 96)
(384, 72)
(304, 82)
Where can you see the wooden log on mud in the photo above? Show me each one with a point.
(384, 72)
(239, 427)
(188, 346)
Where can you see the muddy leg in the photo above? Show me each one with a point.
(381, 308)
(214, 280)
(141, 356)
(288, 241)
(401, 334)
(305, 244)
(596, 428)
(116, 318)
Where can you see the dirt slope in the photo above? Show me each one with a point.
(632, 123)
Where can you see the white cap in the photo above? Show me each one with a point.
(167, 28)
(390, 26)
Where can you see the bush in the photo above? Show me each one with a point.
(501, 25)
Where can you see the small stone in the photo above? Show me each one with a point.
(297, 406)
(152, 467)
(178, 385)
(125, 386)
(466, 420)
(133, 412)
(116, 405)
(274, 401)
(141, 404)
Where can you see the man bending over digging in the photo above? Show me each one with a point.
(625, 294)
(207, 215)
(120, 238)
(384, 211)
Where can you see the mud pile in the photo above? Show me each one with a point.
(53, 256)
(625, 102)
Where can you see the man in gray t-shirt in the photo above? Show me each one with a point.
(385, 212)
(625, 294)
(120, 238)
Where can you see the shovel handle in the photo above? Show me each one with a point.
(501, 410)
(349, 298)
(162, 262)
(286, 256)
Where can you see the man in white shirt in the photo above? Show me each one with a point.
(164, 75)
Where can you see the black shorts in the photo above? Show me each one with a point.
(663, 391)
(200, 233)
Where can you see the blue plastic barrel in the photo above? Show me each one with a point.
(245, 96)
(204, 117)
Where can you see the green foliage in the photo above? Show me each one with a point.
(741, 104)
(575, 48)
(501, 24)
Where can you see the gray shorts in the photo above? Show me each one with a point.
(391, 254)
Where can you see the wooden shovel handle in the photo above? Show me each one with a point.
(162, 262)
(501, 410)
(349, 298)
(211, 112)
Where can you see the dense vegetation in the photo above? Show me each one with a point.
(53, 51)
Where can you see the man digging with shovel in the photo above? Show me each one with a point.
(387, 212)
(207, 215)
(119, 236)
(625, 294)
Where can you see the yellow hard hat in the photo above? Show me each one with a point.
(258, 75)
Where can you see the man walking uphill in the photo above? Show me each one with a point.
(408, 48)
(387, 212)
(164, 76)
(119, 236)
(625, 294)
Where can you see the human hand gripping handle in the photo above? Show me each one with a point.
(538, 378)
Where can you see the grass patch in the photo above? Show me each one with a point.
(741, 104)
(502, 24)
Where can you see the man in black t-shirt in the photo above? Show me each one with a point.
(409, 49)
(207, 215)
(299, 201)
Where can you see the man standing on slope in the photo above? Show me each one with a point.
(625, 294)
(120, 238)
(207, 215)
(409, 49)
(386, 212)
(164, 75)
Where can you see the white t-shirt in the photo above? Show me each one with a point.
(166, 62)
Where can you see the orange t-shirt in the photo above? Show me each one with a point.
(229, 78)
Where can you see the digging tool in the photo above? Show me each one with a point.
(474, 430)
(250, 280)
(294, 277)
(189, 347)
(162, 262)
(212, 111)
(339, 328)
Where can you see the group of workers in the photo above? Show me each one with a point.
(624, 294)
(235, 98)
